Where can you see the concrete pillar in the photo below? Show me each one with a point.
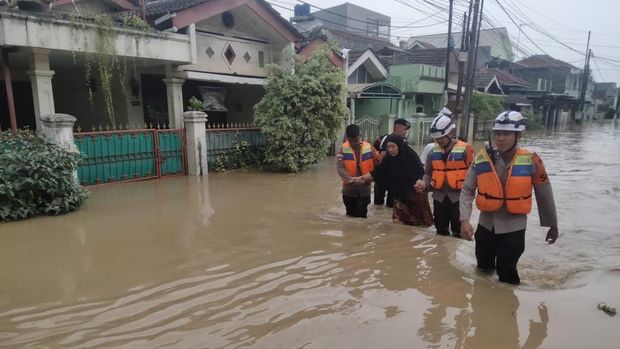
(174, 92)
(352, 121)
(41, 79)
(470, 129)
(196, 139)
(390, 123)
(58, 129)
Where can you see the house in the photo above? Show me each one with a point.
(346, 17)
(557, 81)
(605, 99)
(496, 38)
(126, 81)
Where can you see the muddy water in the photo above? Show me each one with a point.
(269, 261)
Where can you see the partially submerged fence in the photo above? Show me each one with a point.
(130, 154)
(223, 138)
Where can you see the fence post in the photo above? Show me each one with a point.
(390, 125)
(58, 129)
(470, 129)
(196, 139)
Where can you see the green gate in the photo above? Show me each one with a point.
(116, 156)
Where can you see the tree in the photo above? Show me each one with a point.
(301, 112)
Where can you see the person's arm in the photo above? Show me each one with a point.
(544, 198)
(428, 171)
(469, 155)
(342, 172)
(466, 200)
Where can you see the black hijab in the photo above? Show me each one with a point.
(401, 171)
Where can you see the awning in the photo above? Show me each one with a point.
(374, 90)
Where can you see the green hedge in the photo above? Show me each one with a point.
(36, 177)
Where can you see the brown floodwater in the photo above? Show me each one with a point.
(269, 261)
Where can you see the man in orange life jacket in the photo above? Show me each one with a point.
(446, 166)
(355, 159)
(504, 179)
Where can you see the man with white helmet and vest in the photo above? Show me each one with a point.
(504, 178)
(446, 166)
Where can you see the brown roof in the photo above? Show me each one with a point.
(544, 61)
(485, 75)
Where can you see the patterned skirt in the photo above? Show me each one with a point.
(415, 211)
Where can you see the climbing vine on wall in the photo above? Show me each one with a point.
(101, 67)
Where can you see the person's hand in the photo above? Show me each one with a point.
(467, 231)
(381, 155)
(420, 186)
(552, 235)
(356, 181)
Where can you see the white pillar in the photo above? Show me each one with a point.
(41, 79)
(352, 121)
(391, 118)
(58, 129)
(174, 92)
(196, 139)
(470, 130)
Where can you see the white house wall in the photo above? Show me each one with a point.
(18, 29)
(217, 63)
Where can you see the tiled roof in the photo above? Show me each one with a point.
(544, 61)
(485, 75)
(160, 7)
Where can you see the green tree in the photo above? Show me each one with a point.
(301, 112)
(485, 106)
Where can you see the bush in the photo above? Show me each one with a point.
(486, 107)
(36, 177)
(301, 112)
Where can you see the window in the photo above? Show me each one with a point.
(372, 27)
(261, 59)
(419, 99)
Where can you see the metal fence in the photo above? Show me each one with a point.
(223, 138)
(128, 155)
(370, 128)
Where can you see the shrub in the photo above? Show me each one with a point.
(36, 177)
(301, 112)
(243, 156)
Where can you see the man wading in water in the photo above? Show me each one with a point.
(504, 178)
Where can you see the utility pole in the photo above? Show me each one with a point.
(584, 80)
(464, 45)
(448, 53)
(471, 57)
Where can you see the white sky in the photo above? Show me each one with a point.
(566, 20)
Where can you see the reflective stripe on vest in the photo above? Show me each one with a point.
(454, 170)
(350, 162)
(518, 190)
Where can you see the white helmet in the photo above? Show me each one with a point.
(442, 124)
(509, 121)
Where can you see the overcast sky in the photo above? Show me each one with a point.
(565, 20)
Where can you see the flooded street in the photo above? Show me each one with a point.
(269, 261)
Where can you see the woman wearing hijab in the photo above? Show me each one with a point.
(400, 170)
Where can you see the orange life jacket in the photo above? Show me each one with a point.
(350, 162)
(517, 195)
(454, 170)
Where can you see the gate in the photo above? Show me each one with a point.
(370, 128)
(129, 155)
